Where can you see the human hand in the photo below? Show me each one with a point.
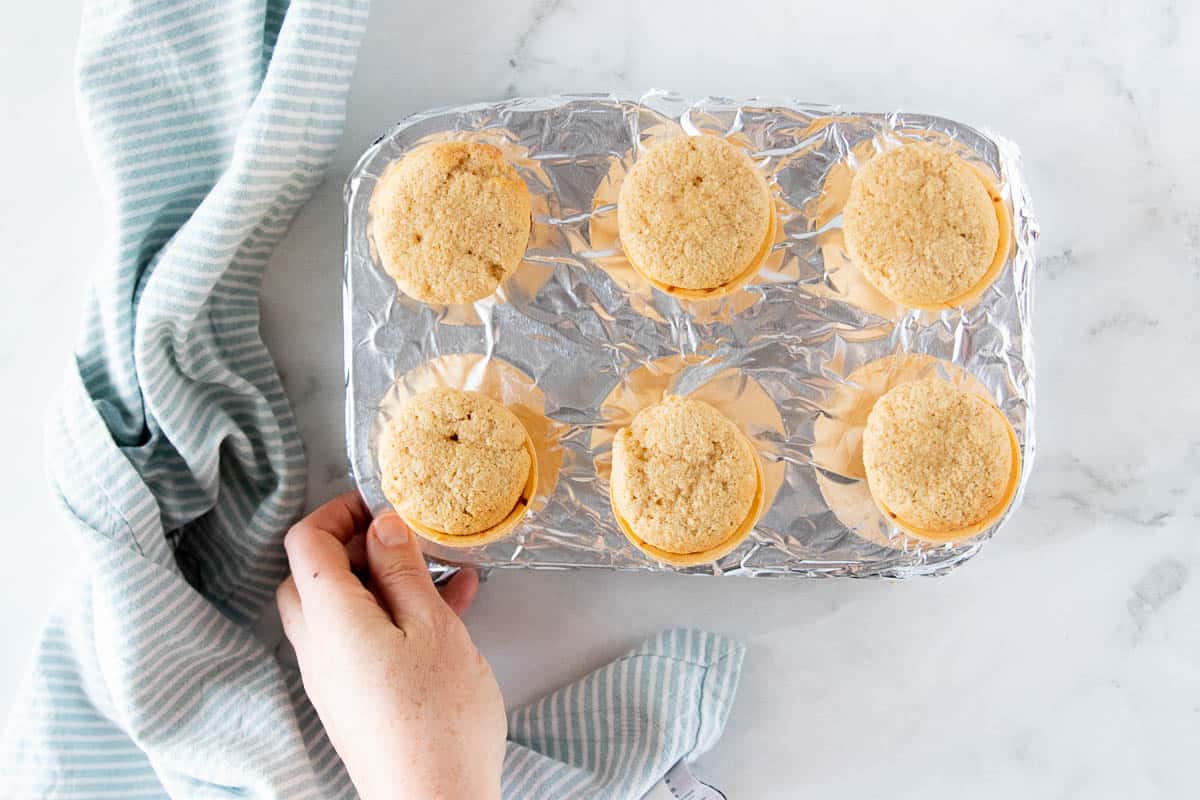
(408, 702)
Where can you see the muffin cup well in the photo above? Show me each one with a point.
(992, 517)
(850, 283)
(605, 238)
(731, 391)
(703, 556)
(527, 277)
(739, 397)
(517, 392)
(837, 449)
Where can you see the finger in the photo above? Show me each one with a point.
(398, 572)
(317, 555)
(291, 614)
(341, 517)
(318, 560)
(459, 592)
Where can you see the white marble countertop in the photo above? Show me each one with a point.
(1062, 662)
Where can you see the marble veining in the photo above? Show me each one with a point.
(1159, 583)
(520, 60)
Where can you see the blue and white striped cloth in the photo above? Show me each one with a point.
(178, 466)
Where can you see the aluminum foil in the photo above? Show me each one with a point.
(577, 339)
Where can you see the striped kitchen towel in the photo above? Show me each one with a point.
(178, 466)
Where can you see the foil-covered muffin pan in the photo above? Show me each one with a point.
(576, 342)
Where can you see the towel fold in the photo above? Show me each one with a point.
(178, 467)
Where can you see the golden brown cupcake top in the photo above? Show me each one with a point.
(920, 224)
(450, 221)
(936, 457)
(454, 461)
(684, 477)
(694, 212)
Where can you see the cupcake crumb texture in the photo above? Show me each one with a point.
(684, 476)
(694, 212)
(450, 221)
(454, 461)
(920, 224)
(937, 457)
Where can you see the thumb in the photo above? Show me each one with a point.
(398, 571)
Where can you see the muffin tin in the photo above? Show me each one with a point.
(576, 328)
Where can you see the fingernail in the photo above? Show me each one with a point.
(390, 530)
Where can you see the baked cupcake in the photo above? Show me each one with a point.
(695, 216)
(450, 221)
(686, 483)
(457, 466)
(940, 462)
(923, 227)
